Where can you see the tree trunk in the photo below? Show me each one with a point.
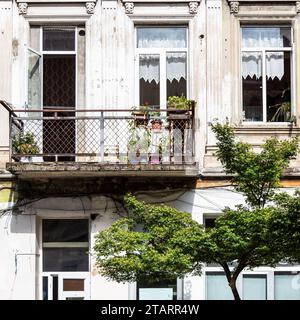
(232, 279)
(234, 289)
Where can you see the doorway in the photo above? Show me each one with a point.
(65, 259)
(52, 85)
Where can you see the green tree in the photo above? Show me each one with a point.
(125, 254)
(242, 236)
(255, 174)
(284, 227)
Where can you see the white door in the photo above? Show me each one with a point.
(66, 286)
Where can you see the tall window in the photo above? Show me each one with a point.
(266, 73)
(162, 63)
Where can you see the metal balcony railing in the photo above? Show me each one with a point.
(102, 136)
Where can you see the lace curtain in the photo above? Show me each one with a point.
(264, 37)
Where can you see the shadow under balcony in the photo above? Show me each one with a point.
(82, 143)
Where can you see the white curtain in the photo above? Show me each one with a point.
(275, 65)
(149, 67)
(176, 66)
(252, 65)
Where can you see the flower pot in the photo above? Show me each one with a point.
(141, 118)
(156, 124)
(144, 158)
(155, 159)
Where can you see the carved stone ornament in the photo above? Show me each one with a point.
(193, 6)
(298, 6)
(90, 7)
(129, 7)
(234, 7)
(22, 7)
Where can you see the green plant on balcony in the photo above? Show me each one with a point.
(141, 115)
(180, 103)
(24, 143)
(138, 143)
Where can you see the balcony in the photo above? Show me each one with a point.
(68, 143)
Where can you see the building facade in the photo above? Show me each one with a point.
(74, 78)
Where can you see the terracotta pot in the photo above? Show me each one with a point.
(156, 124)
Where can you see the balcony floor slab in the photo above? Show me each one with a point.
(32, 170)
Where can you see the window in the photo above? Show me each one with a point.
(163, 290)
(65, 245)
(266, 73)
(254, 287)
(58, 39)
(162, 64)
(217, 287)
(287, 286)
(209, 222)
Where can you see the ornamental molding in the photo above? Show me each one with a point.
(130, 4)
(298, 6)
(129, 7)
(22, 7)
(234, 7)
(90, 7)
(193, 7)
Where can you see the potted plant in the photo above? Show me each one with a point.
(180, 105)
(164, 148)
(155, 120)
(283, 113)
(25, 144)
(143, 145)
(141, 115)
(133, 153)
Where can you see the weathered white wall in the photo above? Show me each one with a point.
(5, 75)
(17, 256)
(110, 59)
(5, 49)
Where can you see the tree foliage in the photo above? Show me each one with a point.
(255, 174)
(125, 254)
(284, 226)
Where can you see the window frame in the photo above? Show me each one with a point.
(263, 51)
(67, 245)
(162, 52)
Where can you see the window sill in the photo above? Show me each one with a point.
(260, 124)
(266, 127)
